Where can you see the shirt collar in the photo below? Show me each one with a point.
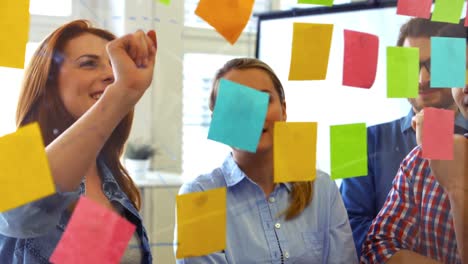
(461, 121)
(406, 121)
(233, 174)
(106, 173)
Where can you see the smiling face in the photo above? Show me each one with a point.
(84, 74)
(427, 97)
(260, 80)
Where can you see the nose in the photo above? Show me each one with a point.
(108, 74)
(424, 78)
(465, 90)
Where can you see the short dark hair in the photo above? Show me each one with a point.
(419, 27)
(454, 30)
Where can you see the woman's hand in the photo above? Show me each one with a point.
(133, 58)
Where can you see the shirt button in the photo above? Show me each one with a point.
(271, 199)
(277, 225)
(286, 255)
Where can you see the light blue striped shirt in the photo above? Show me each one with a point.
(257, 234)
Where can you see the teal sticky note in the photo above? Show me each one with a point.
(402, 72)
(238, 116)
(348, 150)
(448, 62)
(449, 11)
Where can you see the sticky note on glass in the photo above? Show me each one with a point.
(447, 11)
(238, 116)
(448, 62)
(348, 149)
(402, 72)
(437, 137)
(14, 25)
(310, 51)
(415, 8)
(316, 2)
(94, 234)
(166, 2)
(466, 18)
(295, 149)
(201, 223)
(228, 17)
(25, 174)
(361, 51)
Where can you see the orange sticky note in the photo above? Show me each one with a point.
(201, 223)
(228, 17)
(25, 174)
(94, 234)
(294, 153)
(310, 51)
(14, 25)
(437, 137)
(360, 59)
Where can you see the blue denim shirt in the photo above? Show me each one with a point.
(255, 233)
(30, 233)
(387, 145)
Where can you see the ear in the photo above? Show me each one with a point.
(283, 110)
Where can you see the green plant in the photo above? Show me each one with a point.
(139, 151)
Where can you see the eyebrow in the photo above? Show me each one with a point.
(266, 91)
(91, 56)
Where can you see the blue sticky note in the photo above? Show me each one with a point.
(238, 116)
(448, 62)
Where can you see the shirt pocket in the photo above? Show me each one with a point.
(313, 242)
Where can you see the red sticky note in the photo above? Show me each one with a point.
(415, 8)
(94, 234)
(360, 59)
(466, 17)
(437, 137)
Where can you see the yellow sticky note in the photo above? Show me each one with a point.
(14, 28)
(228, 17)
(294, 151)
(310, 51)
(466, 77)
(201, 223)
(25, 174)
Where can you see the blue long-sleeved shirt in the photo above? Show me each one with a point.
(255, 233)
(30, 233)
(387, 145)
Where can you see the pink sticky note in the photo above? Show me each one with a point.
(360, 59)
(415, 8)
(437, 137)
(466, 17)
(94, 234)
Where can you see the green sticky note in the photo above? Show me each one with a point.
(448, 11)
(348, 149)
(316, 2)
(166, 2)
(448, 62)
(402, 72)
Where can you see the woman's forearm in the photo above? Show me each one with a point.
(74, 151)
